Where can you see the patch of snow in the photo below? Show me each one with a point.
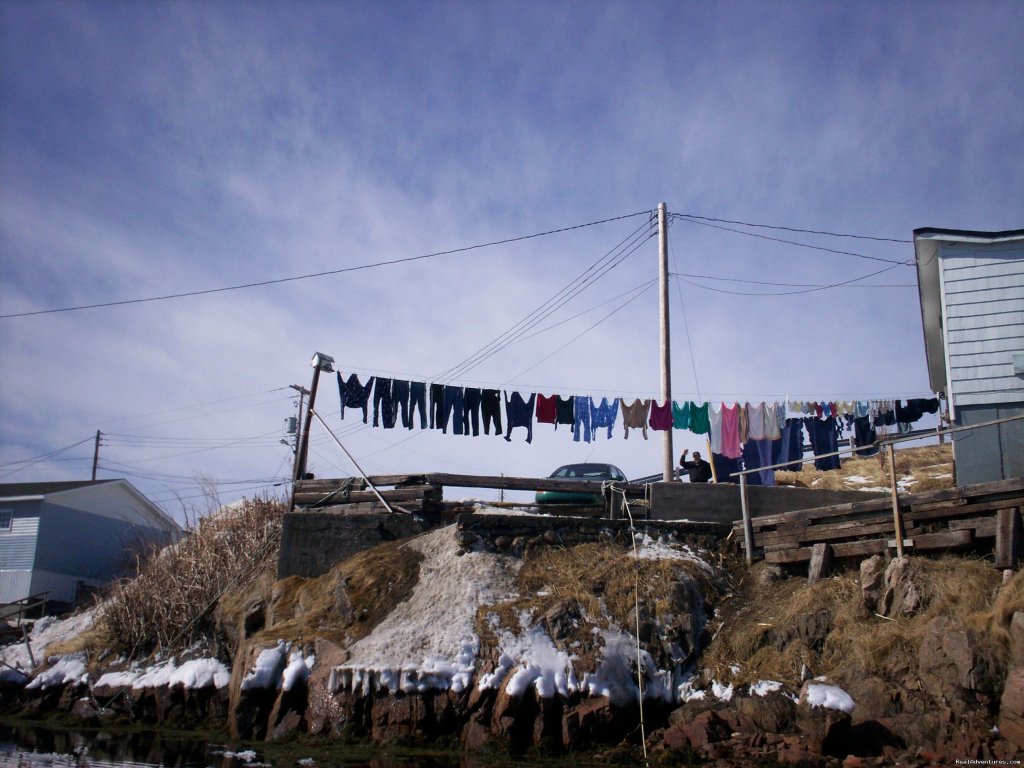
(266, 673)
(524, 510)
(201, 673)
(662, 549)
(45, 632)
(857, 479)
(297, 671)
(943, 476)
(429, 641)
(68, 670)
(720, 691)
(686, 692)
(829, 697)
(764, 687)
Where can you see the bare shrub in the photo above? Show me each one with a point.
(168, 605)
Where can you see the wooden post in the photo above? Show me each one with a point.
(711, 461)
(668, 460)
(897, 520)
(821, 561)
(748, 526)
(1008, 537)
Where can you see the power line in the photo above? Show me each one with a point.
(326, 273)
(600, 268)
(791, 229)
(681, 217)
(844, 283)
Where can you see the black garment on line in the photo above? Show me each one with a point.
(490, 406)
(563, 411)
(436, 405)
(383, 404)
(353, 394)
(417, 397)
(471, 410)
(400, 398)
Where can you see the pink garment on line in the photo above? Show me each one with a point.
(731, 446)
(661, 415)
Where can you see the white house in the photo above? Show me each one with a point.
(972, 309)
(68, 537)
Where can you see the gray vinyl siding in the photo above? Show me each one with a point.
(90, 547)
(18, 551)
(983, 289)
(989, 453)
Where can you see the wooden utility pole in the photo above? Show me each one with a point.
(668, 460)
(298, 430)
(320, 362)
(96, 455)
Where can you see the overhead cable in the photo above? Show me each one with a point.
(788, 293)
(681, 217)
(325, 273)
(792, 229)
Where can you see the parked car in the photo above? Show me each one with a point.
(595, 472)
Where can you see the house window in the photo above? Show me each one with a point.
(6, 519)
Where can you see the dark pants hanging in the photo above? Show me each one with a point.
(490, 405)
(453, 406)
(471, 410)
(383, 405)
(417, 397)
(436, 405)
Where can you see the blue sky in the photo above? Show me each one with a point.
(157, 148)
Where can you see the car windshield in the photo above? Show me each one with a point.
(589, 472)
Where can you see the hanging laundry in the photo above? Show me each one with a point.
(564, 411)
(680, 415)
(490, 407)
(757, 417)
(519, 413)
(383, 405)
(751, 460)
(417, 398)
(634, 416)
(581, 418)
(824, 439)
(454, 406)
(471, 397)
(862, 408)
(700, 422)
(731, 445)
(436, 405)
(353, 394)
(547, 409)
(744, 425)
(790, 446)
(400, 400)
(764, 450)
(715, 434)
(772, 426)
(864, 435)
(780, 415)
(603, 415)
(725, 467)
(661, 416)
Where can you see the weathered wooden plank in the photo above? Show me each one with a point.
(944, 539)
(414, 493)
(1008, 537)
(965, 509)
(527, 483)
(821, 562)
(860, 548)
(983, 527)
(789, 556)
(817, 533)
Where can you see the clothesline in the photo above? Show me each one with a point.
(728, 427)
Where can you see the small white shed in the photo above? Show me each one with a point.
(972, 308)
(66, 538)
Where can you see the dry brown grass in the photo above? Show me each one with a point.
(931, 468)
(963, 589)
(344, 604)
(602, 579)
(169, 604)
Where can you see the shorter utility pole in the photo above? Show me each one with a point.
(303, 393)
(96, 455)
